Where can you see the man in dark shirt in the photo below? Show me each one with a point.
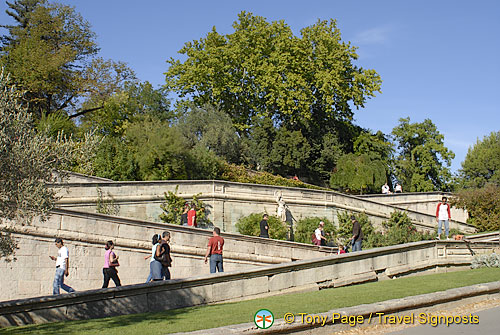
(214, 250)
(357, 234)
(264, 227)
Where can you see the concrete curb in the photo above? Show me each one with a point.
(385, 307)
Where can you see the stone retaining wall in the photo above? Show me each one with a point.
(85, 234)
(424, 202)
(330, 271)
(228, 201)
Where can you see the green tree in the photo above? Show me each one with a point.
(422, 161)
(262, 69)
(29, 160)
(358, 174)
(47, 54)
(249, 225)
(305, 228)
(482, 163)
(212, 129)
(483, 205)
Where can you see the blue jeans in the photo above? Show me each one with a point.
(59, 282)
(216, 263)
(356, 246)
(446, 227)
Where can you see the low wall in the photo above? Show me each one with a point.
(228, 201)
(85, 234)
(424, 202)
(327, 272)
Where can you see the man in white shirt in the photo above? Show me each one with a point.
(385, 189)
(62, 266)
(319, 233)
(443, 215)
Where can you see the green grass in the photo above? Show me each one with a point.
(204, 317)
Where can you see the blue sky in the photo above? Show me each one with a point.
(437, 59)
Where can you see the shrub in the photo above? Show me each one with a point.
(174, 205)
(306, 227)
(483, 205)
(249, 225)
(490, 261)
(240, 174)
(370, 239)
(399, 229)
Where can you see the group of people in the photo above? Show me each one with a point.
(356, 240)
(159, 264)
(397, 189)
(161, 260)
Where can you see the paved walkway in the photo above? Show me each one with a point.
(488, 324)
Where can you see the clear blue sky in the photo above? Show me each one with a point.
(437, 59)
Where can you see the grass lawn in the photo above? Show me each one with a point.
(204, 317)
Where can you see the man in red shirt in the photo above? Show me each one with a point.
(214, 250)
(191, 215)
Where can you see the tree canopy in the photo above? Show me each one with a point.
(482, 163)
(422, 161)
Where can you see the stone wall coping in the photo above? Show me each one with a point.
(190, 230)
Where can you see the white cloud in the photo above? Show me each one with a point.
(377, 35)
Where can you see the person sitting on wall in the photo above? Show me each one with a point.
(385, 189)
(398, 188)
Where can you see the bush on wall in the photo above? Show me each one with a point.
(306, 227)
(250, 225)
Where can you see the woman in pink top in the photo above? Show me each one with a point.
(110, 264)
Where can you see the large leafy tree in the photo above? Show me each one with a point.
(422, 161)
(279, 88)
(367, 168)
(28, 160)
(47, 54)
(263, 69)
(482, 163)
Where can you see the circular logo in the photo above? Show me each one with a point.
(263, 319)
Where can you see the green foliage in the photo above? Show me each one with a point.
(47, 55)
(289, 97)
(482, 163)
(306, 227)
(8, 245)
(114, 160)
(250, 225)
(483, 205)
(174, 205)
(359, 173)
(423, 162)
(399, 229)
(240, 174)
(55, 123)
(106, 205)
(262, 69)
(29, 160)
(210, 128)
(370, 239)
(486, 261)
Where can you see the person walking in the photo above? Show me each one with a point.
(162, 259)
(319, 235)
(357, 234)
(110, 264)
(62, 268)
(443, 215)
(214, 250)
(156, 238)
(264, 226)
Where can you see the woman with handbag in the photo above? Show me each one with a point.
(110, 264)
